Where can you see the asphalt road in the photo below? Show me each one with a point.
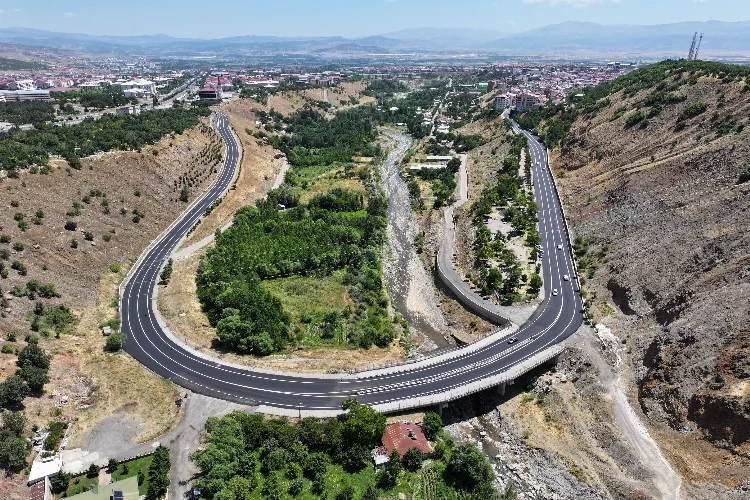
(557, 318)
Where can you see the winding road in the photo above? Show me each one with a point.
(434, 380)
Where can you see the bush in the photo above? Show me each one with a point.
(70, 225)
(114, 267)
(744, 177)
(73, 243)
(114, 342)
(93, 471)
(412, 459)
(468, 469)
(18, 246)
(59, 481)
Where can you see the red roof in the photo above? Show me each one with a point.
(401, 437)
(37, 490)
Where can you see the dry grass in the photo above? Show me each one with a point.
(256, 175)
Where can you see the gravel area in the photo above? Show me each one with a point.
(407, 280)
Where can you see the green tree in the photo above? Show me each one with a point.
(92, 471)
(13, 452)
(13, 423)
(33, 355)
(362, 424)
(432, 425)
(12, 391)
(388, 475)
(345, 493)
(316, 465)
(158, 474)
(468, 469)
(34, 377)
(412, 459)
(59, 481)
(370, 493)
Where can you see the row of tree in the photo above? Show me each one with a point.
(24, 148)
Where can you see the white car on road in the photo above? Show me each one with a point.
(554, 292)
(559, 247)
(566, 277)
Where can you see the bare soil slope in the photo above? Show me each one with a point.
(88, 384)
(670, 248)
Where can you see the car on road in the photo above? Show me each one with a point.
(566, 277)
(554, 292)
(512, 340)
(559, 247)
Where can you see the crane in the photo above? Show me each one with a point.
(697, 47)
(692, 47)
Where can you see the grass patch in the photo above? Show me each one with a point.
(308, 300)
(80, 484)
(131, 469)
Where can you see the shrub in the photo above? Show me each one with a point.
(18, 246)
(18, 266)
(88, 236)
(70, 225)
(412, 460)
(114, 267)
(5, 238)
(73, 244)
(14, 203)
(114, 342)
(744, 177)
(8, 349)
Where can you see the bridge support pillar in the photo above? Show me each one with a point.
(441, 407)
(501, 389)
(553, 361)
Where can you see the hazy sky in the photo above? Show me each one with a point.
(351, 18)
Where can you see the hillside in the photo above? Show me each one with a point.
(650, 170)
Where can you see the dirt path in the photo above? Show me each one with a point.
(666, 480)
(406, 278)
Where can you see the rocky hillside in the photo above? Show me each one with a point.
(651, 171)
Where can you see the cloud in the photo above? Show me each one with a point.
(68, 14)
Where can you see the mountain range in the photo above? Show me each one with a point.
(719, 37)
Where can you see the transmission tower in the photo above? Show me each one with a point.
(692, 47)
(697, 48)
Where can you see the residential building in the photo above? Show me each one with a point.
(505, 101)
(128, 110)
(526, 101)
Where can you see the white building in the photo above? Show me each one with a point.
(505, 101)
(22, 85)
(24, 95)
(526, 101)
(144, 86)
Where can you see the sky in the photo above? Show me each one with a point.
(350, 18)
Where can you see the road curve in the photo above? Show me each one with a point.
(557, 318)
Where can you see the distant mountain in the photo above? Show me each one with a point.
(661, 38)
(568, 37)
(447, 37)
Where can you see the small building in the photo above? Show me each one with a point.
(126, 489)
(210, 93)
(128, 110)
(402, 436)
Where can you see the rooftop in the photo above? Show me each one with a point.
(403, 436)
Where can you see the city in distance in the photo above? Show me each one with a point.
(353, 252)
